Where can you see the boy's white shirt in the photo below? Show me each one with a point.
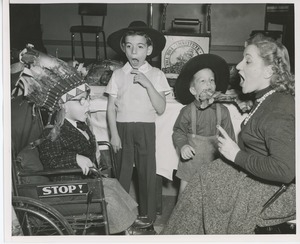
(131, 107)
(127, 68)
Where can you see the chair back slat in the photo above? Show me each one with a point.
(96, 9)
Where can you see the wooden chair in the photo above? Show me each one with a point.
(88, 10)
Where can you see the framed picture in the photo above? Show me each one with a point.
(179, 49)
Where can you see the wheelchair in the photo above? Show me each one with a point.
(41, 206)
(73, 207)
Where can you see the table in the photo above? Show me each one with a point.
(166, 155)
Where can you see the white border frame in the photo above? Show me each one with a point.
(6, 142)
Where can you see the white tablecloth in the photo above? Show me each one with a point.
(236, 118)
(166, 155)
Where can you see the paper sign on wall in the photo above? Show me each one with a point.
(178, 50)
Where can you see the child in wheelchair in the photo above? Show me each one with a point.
(69, 143)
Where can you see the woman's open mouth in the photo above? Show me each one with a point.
(242, 80)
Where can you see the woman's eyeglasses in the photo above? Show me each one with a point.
(82, 100)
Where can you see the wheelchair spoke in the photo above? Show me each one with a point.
(37, 219)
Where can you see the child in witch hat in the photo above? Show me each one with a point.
(136, 96)
(194, 133)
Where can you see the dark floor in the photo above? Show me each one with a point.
(168, 203)
(166, 198)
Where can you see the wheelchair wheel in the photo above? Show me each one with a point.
(37, 218)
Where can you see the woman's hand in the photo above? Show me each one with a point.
(187, 152)
(116, 143)
(227, 147)
(84, 163)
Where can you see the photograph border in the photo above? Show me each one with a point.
(6, 140)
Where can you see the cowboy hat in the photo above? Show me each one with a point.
(157, 38)
(217, 64)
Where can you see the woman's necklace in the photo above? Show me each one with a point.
(260, 100)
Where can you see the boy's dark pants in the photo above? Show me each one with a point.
(138, 147)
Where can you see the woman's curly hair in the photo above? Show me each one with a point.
(275, 54)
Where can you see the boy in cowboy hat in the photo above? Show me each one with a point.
(50, 83)
(136, 96)
(195, 131)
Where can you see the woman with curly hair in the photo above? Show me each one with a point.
(228, 195)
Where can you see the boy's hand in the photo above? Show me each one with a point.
(140, 78)
(227, 147)
(187, 152)
(116, 143)
(84, 163)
